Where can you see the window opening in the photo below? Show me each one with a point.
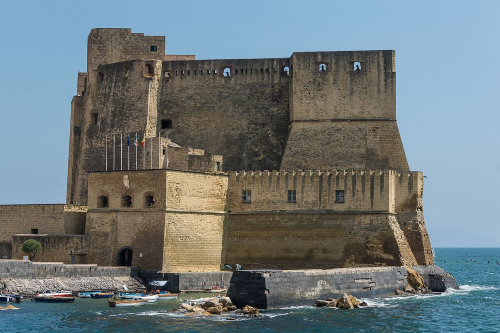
(150, 201)
(100, 77)
(153, 48)
(217, 166)
(189, 72)
(102, 202)
(357, 66)
(202, 72)
(127, 70)
(292, 196)
(208, 71)
(94, 118)
(166, 123)
(322, 67)
(149, 70)
(226, 72)
(167, 74)
(339, 196)
(286, 71)
(34, 231)
(215, 71)
(126, 201)
(246, 196)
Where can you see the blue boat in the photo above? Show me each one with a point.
(54, 299)
(101, 295)
(88, 294)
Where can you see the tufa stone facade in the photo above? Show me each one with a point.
(158, 144)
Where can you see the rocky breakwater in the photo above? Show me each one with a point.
(216, 306)
(28, 287)
(343, 302)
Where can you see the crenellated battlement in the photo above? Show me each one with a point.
(339, 190)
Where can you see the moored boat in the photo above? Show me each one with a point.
(126, 302)
(102, 295)
(6, 298)
(216, 289)
(166, 295)
(87, 294)
(149, 298)
(54, 299)
(55, 294)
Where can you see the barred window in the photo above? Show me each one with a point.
(292, 196)
(246, 196)
(339, 196)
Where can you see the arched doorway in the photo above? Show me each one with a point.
(124, 257)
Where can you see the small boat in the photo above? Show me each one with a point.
(149, 298)
(126, 302)
(56, 294)
(166, 295)
(87, 294)
(216, 289)
(8, 307)
(101, 295)
(6, 298)
(54, 299)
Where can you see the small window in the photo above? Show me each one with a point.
(102, 202)
(286, 71)
(226, 72)
(94, 118)
(126, 201)
(149, 70)
(217, 166)
(215, 71)
(127, 71)
(167, 74)
(100, 77)
(322, 67)
(166, 123)
(339, 196)
(246, 196)
(149, 201)
(357, 66)
(292, 196)
(34, 231)
(153, 48)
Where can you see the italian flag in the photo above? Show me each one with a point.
(144, 140)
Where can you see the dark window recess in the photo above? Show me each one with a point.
(292, 196)
(34, 231)
(150, 201)
(153, 48)
(246, 196)
(126, 201)
(357, 66)
(149, 70)
(217, 166)
(100, 77)
(94, 118)
(102, 202)
(322, 67)
(339, 196)
(163, 151)
(166, 123)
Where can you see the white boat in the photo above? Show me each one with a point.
(126, 302)
(87, 294)
(149, 298)
(166, 296)
(216, 290)
(56, 294)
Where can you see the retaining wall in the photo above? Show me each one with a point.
(196, 281)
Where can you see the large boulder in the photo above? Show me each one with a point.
(250, 310)
(185, 306)
(225, 300)
(414, 279)
(344, 302)
(217, 310)
(210, 303)
(321, 303)
(230, 308)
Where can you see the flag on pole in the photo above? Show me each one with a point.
(144, 140)
(128, 140)
(135, 142)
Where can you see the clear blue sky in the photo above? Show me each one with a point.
(448, 84)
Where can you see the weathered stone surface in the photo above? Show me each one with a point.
(414, 279)
(344, 302)
(215, 310)
(249, 310)
(186, 306)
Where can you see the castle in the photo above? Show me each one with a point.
(177, 164)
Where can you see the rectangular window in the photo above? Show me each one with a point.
(339, 196)
(94, 118)
(34, 231)
(246, 196)
(217, 166)
(292, 196)
(153, 48)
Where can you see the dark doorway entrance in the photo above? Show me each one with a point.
(124, 257)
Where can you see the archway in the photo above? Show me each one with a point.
(124, 257)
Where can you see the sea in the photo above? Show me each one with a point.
(473, 308)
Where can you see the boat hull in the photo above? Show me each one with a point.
(126, 302)
(88, 294)
(101, 295)
(53, 299)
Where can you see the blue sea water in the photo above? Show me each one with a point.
(473, 308)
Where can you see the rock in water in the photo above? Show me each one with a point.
(344, 302)
(215, 310)
(247, 309)
(186, 307)
(414, 279)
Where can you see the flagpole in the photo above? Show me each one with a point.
(128, 151)
(135, 150)
(106, 145)
(151, 153)
(121, 151)
(166, 153)
(159, 150)
(144, 151)
(114, 152)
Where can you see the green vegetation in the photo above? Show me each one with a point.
(31, 247)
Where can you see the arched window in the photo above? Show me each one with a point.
(286, 71)
(322, 67)
(126, 201)
(149, 70)
(226, 72)
(149, 201)
(102, 202)
(100, 77)
(357, 66)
